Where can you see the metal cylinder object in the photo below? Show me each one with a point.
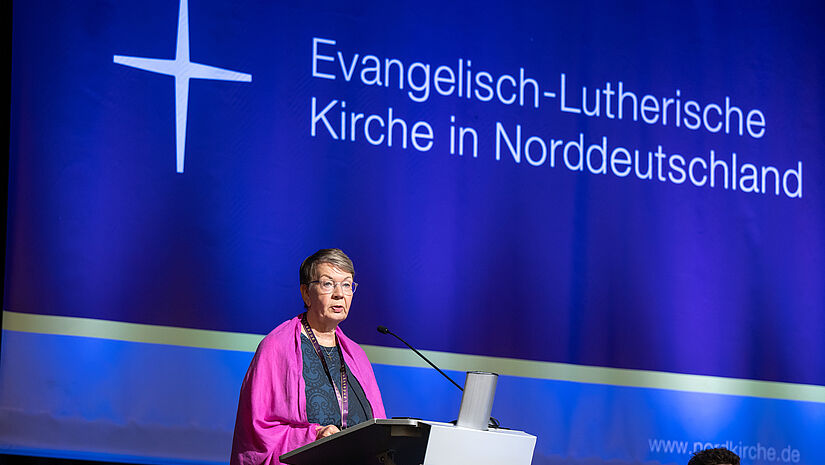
(477, 401)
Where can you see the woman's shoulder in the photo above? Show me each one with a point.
(349, 344)
(282, 336)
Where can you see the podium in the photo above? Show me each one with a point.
(410, 441)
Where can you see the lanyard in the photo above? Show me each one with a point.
(342, 396)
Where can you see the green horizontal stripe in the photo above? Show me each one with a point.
(132, 332)
(224, 340)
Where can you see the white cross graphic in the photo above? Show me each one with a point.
(183, 70)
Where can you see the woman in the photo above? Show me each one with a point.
(295, 390)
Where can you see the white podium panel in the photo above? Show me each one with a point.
(450, 444)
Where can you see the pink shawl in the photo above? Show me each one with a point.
(272, 418)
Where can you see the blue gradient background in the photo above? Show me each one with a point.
(463, 255)
(149, 403)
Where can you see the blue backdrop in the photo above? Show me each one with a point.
(634, 186)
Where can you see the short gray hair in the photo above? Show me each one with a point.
(335, 257)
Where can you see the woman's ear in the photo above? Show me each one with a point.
(305, 294)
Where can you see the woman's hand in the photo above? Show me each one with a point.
(324, 431)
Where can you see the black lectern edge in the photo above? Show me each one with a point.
(374, 421)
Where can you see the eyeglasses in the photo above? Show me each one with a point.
(327, 286)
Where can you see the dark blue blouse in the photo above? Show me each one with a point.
(322, 405)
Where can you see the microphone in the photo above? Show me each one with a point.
(384, 330)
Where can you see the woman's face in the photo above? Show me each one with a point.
(328, 309)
